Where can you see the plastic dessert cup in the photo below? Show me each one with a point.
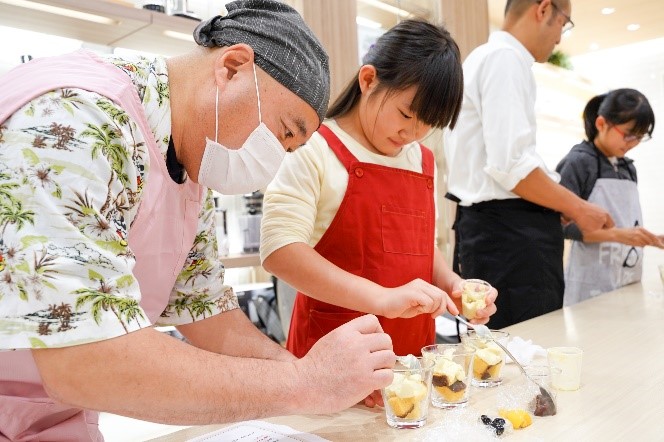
(489, 359)
(567, 361)
(473, 294)
(407, 398)
(450, 384)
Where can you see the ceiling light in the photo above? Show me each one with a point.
(608, 11)
(363, 21)
(60, 11)
(594, 46)
(385, 7)
(179, 35)
(633, 27)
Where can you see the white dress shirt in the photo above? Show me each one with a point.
(492, 147)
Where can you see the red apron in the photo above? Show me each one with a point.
(384, 232)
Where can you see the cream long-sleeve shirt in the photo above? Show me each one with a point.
(303, 199)
(492, 146)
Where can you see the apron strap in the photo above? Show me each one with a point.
(339, 149)
(347, 158)
(427, 160)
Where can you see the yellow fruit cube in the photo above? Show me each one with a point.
(400, 407)
(518, 417)
(479, 368)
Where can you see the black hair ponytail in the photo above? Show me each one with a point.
(414, 53)
(590, 114)
(618, 107)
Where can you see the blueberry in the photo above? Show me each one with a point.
(486, 420)
(499, 431)
(499, 421)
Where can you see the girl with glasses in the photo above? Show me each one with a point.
(598, 171)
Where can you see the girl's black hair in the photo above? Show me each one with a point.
(414, 53)
(617, 107)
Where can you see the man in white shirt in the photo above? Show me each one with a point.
(508, 228)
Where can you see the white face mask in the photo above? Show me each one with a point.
(243, 170)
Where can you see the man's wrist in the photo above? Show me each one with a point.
(574, 208)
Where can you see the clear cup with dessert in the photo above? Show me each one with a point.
(451, 374)
(489, 358)
(407, 397)
(473, 296)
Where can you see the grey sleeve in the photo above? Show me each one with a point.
(571, 231)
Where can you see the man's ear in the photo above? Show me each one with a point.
(231, 60)
(367, 77)
(542, 9)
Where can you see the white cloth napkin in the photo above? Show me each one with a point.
(524, 351)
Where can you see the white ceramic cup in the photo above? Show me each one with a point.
(567, 361)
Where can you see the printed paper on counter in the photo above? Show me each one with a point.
(258, 431)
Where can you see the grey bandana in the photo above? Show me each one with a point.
(283, 45)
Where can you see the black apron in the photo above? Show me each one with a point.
(517, 247)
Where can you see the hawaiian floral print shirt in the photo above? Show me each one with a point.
(72, 169)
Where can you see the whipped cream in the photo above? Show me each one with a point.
(445, 366)
(491, 354)
(407, 385)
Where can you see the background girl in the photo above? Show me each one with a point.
(598, 171)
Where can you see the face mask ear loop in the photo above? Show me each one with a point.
(216, 116)
(258, 95)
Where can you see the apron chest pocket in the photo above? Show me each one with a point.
(405, 231)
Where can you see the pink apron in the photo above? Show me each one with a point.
(160, 237)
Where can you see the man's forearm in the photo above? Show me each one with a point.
(538, 188)
(151, 376)
(232, 333)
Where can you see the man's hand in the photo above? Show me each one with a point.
(415, 298)
(346, 366)
(591, 217)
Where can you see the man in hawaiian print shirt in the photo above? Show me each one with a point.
(81, 205)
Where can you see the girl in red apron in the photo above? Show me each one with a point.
(598, 171)
(349, 220)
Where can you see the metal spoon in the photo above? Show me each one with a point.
(546, 402)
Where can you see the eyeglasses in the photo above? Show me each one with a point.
(630, 138)
(569, 24)
(632, 257)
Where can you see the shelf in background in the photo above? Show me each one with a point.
(111, 24)
(241, 260)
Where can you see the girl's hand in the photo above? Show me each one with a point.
(374, 399)
(639, 237)
(481, 316)
(415, 298)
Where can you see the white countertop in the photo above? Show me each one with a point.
(621, 334)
